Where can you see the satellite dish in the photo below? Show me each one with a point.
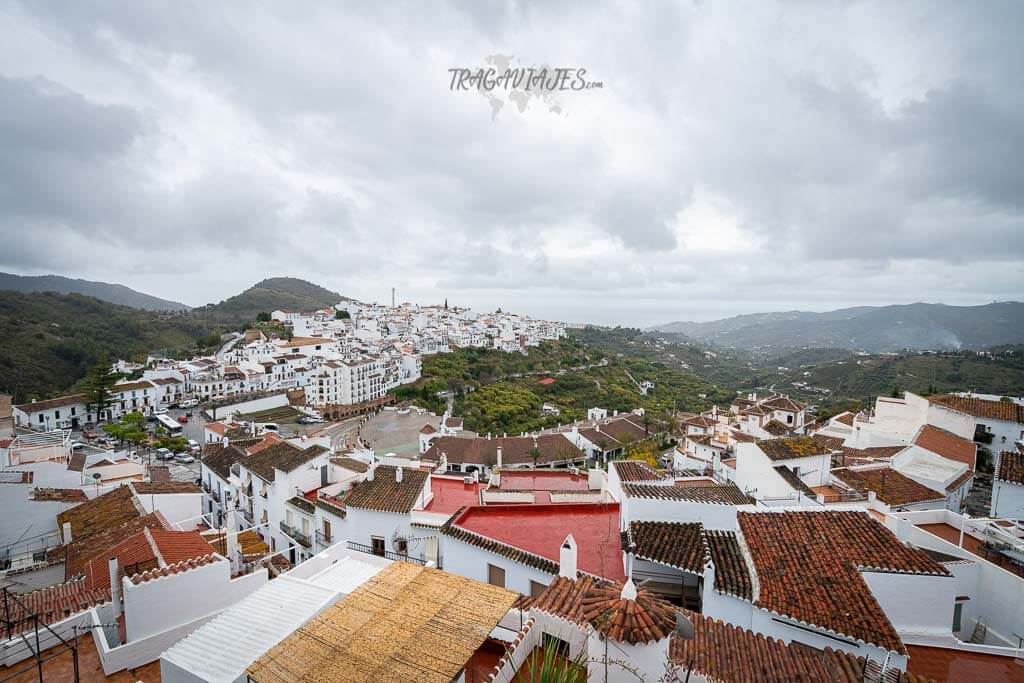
(684, 627)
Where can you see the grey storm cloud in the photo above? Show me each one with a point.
(782, 150)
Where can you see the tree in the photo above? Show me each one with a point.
(263, 317)
(341, 315)
(131, 428)
(534, 454)
(98, 384)
(895, 391)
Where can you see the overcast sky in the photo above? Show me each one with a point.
(740, 157)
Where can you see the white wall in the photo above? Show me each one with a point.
(919, 603)
(182, 510)
(469, 561)
(1007, 500)
(157, 605)
(712, 516)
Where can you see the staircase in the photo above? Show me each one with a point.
(980, 631)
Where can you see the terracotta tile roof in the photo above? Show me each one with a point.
(280, 455)
(946, 444)
(846, 418)
(646, 619)
(794, 480)
(176, 568)
(983, 408)
(384, 494)
(497, 547)
(891, 487)
(101, 513)
(144, 550)
(776, 428)
(793, 447)
(725, 494)
(302, 504)
(249, 543)
(80, 550)
(76, 463)
(832, 443)
(675, 544)
(351, 464)
(157, 487)
(959, 481)
(60, 496)
(1011, 467)
(732, 575)
(783, 403)
(873, 453)
(514, 450)
(159, 473)
(725, 653)
(562, 598)
(59, 402)
(54, 603)
(219, 458)
(428, 429)
(808, 568)
(636, 470)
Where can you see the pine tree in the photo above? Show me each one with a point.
(99, 381)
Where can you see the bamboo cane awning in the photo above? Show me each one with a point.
(408, 623)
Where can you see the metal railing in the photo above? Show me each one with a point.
(386, 554)
(324, 539)
(301, 538)
(248, 516)
(20, 620)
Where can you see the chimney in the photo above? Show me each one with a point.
(67, 532)
(115, 587)
(567, 558)
(499, 458)
(231, 540)
(398, 474)
(369, 473)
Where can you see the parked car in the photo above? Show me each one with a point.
(189, 403)
(183, 419)
(164, 454)
(159, 410)
(184, 458)
(193, 445)
(78, 445)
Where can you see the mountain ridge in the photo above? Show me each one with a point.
(104, 291)
(865, 328)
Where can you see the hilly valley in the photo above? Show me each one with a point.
(104, 291)
(916, 326)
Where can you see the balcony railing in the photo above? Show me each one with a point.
(301, 538)
(387, 554)
(324, 539)
(247, 516)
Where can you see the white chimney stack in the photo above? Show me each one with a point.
(231, 541)
(398, 474)
(115, 587)
(369, 472)
(499, 457)
(567, 558)
(67, 532)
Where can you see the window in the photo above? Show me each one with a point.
(958, 611)
(536, 588)
(56, 415)
(377, 545)
(495, 576)
(789, 419)
(327, 529)
(401, 546)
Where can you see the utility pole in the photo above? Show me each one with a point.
(392, 297)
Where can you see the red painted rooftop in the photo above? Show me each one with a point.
(944, 664)
(451, 493)
(540, 529)
(539, 480)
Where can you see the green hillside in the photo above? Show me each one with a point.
(48, 340)
(502, 392)
(284, 293)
